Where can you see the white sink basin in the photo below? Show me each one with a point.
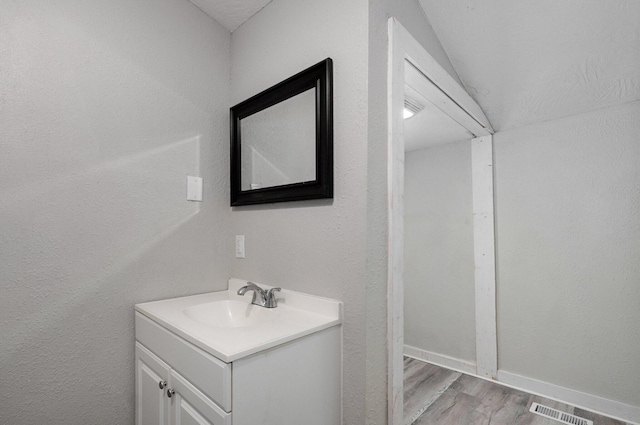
(229, 327)
(230, 314)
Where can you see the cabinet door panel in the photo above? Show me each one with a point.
(187, 414)
(151, 408)
(191, 407)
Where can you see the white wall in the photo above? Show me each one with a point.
(439, 289)
(105, 108)
(568, 243)
(318, 246)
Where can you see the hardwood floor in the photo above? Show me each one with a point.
(437, 396)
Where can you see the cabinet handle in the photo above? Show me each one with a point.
(170, 392)
(162, 384)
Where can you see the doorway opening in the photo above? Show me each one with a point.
(429, 108)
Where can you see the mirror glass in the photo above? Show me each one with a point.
(279, 144)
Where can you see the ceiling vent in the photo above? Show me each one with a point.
(411, 103)
(558, 415)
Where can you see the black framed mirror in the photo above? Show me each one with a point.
(282, 140)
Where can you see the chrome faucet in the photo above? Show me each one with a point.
(261, 297)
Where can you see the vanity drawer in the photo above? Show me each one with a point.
(205, 372)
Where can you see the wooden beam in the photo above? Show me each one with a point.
(484, 257)
(395, 184)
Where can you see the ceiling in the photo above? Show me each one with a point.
(431, 127)
(523, 61)
(537, 60)
(230, 13)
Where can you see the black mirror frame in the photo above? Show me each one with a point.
(320, 77)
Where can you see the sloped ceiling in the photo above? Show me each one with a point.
(230, 13)
(523, 61)
(531, 61)
(431, 127)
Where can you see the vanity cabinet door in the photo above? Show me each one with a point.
(152, 376)
(189, 406)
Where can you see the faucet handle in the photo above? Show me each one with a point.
(271, 298)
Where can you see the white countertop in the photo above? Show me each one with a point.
(296, 315)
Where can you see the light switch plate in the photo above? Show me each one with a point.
(239, 246)
(194, 188)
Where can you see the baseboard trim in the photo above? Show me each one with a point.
(458, 365)
(593, 403)
(611, 408)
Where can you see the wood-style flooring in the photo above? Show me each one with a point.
(437, 396)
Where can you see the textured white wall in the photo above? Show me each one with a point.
(316, 247)
(568, 243)
(439, 289)
(105, 108)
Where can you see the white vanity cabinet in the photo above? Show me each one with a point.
(290, 375)
(164, 397)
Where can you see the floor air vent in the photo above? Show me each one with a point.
(558, 415)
